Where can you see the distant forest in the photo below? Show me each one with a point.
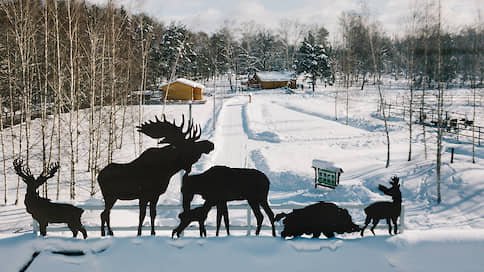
(61, 56)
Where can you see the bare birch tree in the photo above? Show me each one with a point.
(3, 151)
(411, 66)
(440, 104)
(373, 49)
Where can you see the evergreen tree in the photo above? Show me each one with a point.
(175, 44)
(312, 60)
(201, 62)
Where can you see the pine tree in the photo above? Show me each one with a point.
(312, 60)
(174, 44)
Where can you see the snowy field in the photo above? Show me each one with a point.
(280, 134)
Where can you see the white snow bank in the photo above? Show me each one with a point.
(450, 251)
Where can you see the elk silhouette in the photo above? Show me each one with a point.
(42, 209)
(385, 209)
(147, 177)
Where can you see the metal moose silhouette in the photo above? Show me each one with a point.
(148, 176)
(220, 184)
(42, 209)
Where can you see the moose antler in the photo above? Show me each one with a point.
(169, 132)
(23, 172)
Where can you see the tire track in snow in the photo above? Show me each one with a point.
(359, 124)
(274, 137)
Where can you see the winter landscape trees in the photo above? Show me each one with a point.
(89, 60)
(312, 60)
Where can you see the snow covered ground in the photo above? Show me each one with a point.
(280, 134)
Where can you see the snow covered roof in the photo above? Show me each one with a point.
(147, 92)
(326, 165)
(275, 76)
(187, 82)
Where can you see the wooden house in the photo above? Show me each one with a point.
(183, 89)
(273, 80)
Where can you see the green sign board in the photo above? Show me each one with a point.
(326, 174)
(327, 177)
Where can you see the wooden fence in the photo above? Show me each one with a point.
(454, 124)
(248, 227)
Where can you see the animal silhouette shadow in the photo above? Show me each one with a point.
(148, 176)
(220, 184)
(198, 214)
(322, 217)
(42, 209)
(385, 209)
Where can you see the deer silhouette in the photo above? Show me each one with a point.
(42, 209)
(147, 177)
(385, 209)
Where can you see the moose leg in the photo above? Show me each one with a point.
(201, 228)
(270, 214)
(389, 226)
(222, 211)
(79, 227)
(142, 213)
(43, 228)
(367, 221)
(219, 217)
(73, 230)
(153, 214)
(83, 231)
(375, 222)
(394, 219)
(258, 215)
(108, 205)
(226, 218)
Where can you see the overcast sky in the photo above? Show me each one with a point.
(209, 15)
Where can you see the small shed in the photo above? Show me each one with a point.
(274, 79)
(326, 174)
(183, 89)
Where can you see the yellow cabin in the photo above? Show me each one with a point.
(183, 89)
(274, 80)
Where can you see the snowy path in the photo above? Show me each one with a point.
(231, 144)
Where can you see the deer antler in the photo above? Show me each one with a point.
(23, 172)
(169, 132)
(48, 173)
(394, 181)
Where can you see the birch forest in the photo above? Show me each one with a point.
(72, 72)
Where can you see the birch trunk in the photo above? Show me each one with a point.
(439, 110)
(44, 97)
(3, 151)
(10, 90)
(101, 96)
(72, 98)
(380, 94)
(58, 94)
